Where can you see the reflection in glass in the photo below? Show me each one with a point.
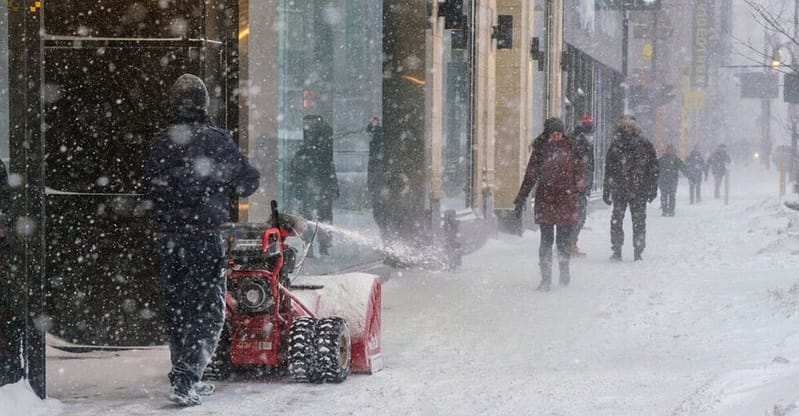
(321, 60)
(312, 176)
(456, 148)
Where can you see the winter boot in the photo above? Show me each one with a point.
(204, 389)
(637, 254)
(565, 276)
(616, 256)
(546, 276)
(183, 393)
(545, 263)
(575, 251)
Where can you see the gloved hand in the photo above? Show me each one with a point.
(606, 196)
(516, 223)
(653, 195)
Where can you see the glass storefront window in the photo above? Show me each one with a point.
(456, 140)
(327, 80)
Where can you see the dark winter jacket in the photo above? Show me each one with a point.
(587, 150)
(717, 162)
(312, 172)
(631, 168)
(695, 165)
(192, 171)
(558, 169)
(670, 166)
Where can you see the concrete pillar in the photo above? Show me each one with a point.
(405, 25)
(514, 86)
(554, 51)
(259, 43)
(484, 105)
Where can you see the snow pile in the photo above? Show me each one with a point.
(19, 399)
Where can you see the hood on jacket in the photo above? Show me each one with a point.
(627, 126)
(189, 97)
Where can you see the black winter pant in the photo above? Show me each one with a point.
(717, 181)
(319, 206)
(668, 199)
(193, 282)
(582, 206)
(563, 244)
(695, 189)
(638, 214)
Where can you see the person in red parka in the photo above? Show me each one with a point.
(556, 166)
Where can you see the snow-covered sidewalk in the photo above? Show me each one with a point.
(707, 324)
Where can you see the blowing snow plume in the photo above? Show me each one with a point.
(395, 252)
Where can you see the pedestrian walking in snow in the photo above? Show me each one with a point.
(584, 139)
(313, 176)
(631, 179)
(192, 171)
(670, 167)
(556, 166)
(696, 168)
(717, 163)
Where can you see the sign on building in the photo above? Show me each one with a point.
(760, 85)
(701, 25)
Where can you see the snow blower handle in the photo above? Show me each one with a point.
(275, 218)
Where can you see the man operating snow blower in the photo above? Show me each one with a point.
(192, 170)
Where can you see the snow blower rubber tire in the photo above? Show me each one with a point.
(302, 353)
(333, 349)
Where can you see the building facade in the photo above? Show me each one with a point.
(455, 89)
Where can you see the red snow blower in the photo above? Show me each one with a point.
(318, 328)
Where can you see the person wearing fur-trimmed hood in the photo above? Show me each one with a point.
(631, 179)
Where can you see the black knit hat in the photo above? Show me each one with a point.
(189, 93)
(552, 125)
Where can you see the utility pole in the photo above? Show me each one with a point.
(625, 43)
(765, 110)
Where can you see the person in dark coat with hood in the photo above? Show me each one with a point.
(556, 166)
(631, 179)
(670, 167)
(696, 168)
(192, 171)
(584, 138)
(313, 175)
(717, 163)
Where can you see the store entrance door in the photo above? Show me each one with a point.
(95, 80)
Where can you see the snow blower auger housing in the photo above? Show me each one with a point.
(318, 328)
